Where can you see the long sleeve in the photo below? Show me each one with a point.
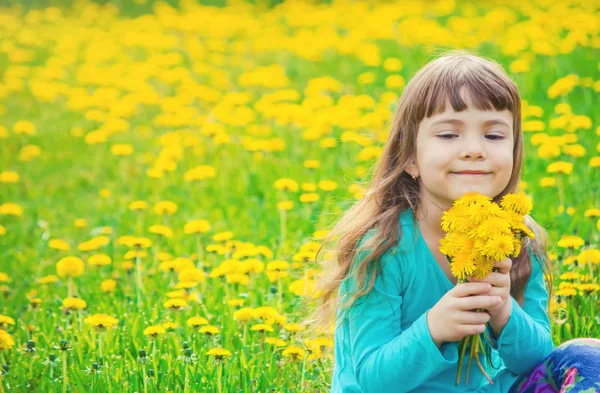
(385, 357)
(526, 339)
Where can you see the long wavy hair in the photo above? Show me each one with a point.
(392, 190)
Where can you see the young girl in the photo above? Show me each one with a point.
(457, 129)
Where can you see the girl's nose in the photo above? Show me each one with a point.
(473, 149)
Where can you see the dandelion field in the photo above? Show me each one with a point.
(168, 172)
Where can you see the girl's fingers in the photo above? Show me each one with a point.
(473, 318)
(496, 279)
(504, 265)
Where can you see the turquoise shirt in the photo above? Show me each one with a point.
(384, 344)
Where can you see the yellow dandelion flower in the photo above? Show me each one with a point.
(73, 303)
(49, 279)
(99, 260)
(108, 285)
(138, 205)
(196, 226)
(244, 314)
(70, 267)
(154, 330)
(6, 320)
(101, 321)
(517, 203)
(570, 242)
(262, 327)
(219, 353)
(209, 330)
(175, 304)
(294, 352)
(462, 265)
(162, 230)
(59, 244)
(499, 247)
(6, 341)
(196, 322)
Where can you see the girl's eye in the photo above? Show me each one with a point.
(447, 136)
(495, 137)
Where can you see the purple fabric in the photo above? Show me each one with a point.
(572, 367)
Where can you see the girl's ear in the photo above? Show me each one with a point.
(412, 169)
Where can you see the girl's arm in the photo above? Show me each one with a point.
(526, 339)
(385, 357)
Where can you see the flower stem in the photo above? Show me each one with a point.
(463, 347)
(65, 379)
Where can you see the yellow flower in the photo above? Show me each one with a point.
(121, 149)
(196, 226)
(517, 203)
(262, 327)
(560, 167)
(286, 185)
(59, 244)
(293, 327)
(312, 164)
(222, 236)
(6, 341)
(138, 205)
(101, 321)
(244, 314)
(74, 303)
(285, 205)
(462, 265)
(219, 353)
(170, 325)
(327, 185)
(165, 207)
(571, 242)
(162, 230)
(9, 177)
(49, 279)
(24, 127)
(4, 277)
(6, 320)
(196, 322)
(10, 208)
(566, 292)
(499, 247)
(154, 330)
(209, 330)
(309, 197)
(175, 304)
(70, 267)
(294, 352)
(108, 285)
(99, 260)
(547, 181)
(589, 256)
(592, 213)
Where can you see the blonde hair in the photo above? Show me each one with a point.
(392, 190)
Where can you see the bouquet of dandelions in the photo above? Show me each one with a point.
(479, 233)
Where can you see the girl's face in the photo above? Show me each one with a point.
(452, 142)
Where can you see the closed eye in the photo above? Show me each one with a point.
(447, 136)
(452, 136)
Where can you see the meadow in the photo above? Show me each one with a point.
(168, 172)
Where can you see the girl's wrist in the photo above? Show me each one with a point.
(500, 319)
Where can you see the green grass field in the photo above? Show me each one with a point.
(176, 166)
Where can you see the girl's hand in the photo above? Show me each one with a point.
(500, 281)
(454, 317)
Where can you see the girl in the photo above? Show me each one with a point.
(457, 129)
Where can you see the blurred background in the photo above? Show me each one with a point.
(169, 170)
